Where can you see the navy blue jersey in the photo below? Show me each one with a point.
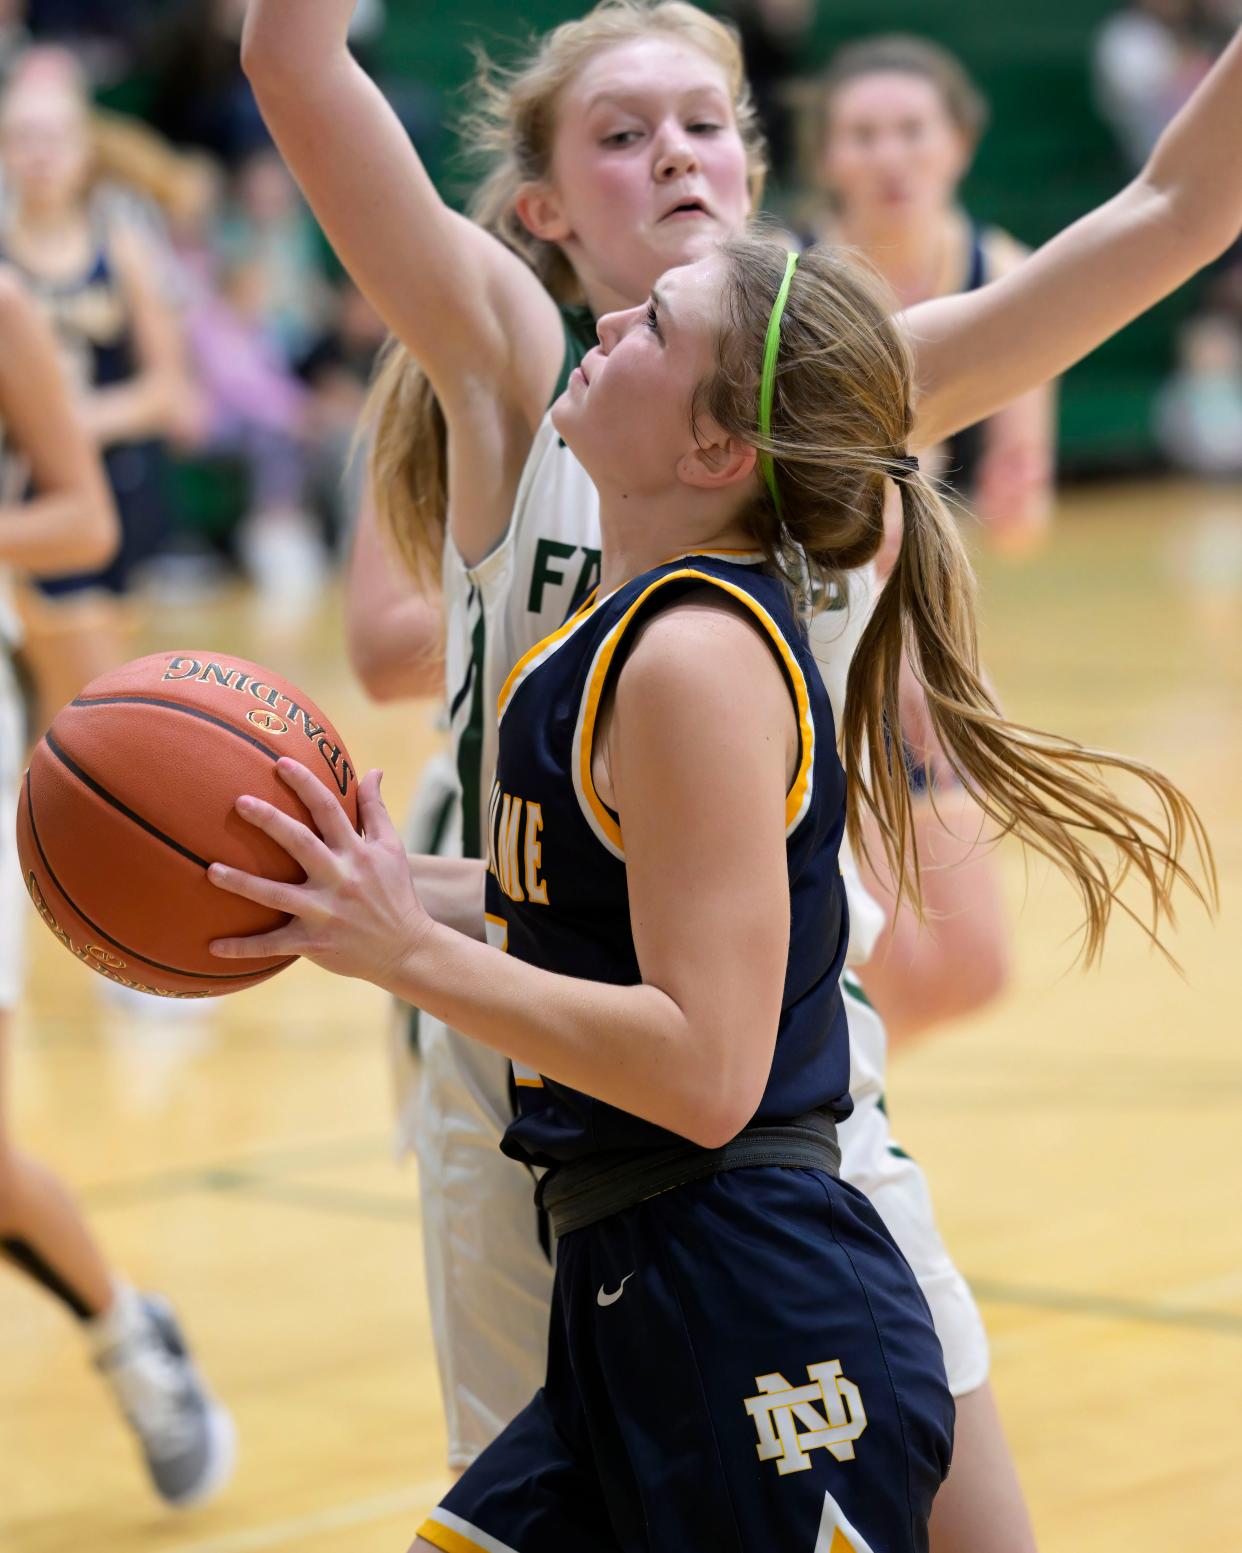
(556, 888)
(91, 318)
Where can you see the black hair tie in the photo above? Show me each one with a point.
(906, 463)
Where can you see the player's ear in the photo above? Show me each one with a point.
(538, 208)
(718, 460)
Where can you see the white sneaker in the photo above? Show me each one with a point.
(187, 1438)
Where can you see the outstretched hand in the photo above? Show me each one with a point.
(356, 913)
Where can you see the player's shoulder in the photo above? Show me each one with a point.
(709, 641)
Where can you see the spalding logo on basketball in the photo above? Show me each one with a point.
(130, 796)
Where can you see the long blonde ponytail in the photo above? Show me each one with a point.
(1048, 791)
(842, 417)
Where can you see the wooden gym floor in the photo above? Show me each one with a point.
(1082, 1136)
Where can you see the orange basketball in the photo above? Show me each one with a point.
(129, 797)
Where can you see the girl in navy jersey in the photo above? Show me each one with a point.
(897, 126)
(631, 147)
(96, 274)
(739, 1356)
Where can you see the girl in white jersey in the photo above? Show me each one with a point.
(638, 155)
(69, 523)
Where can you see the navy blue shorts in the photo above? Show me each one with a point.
(136, 476)
(742, 1364)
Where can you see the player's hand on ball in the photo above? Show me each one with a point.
(356, 913)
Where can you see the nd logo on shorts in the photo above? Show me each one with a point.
(780, 1409)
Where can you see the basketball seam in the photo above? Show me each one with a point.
(158, 965)
(70, 764)
(176, 706)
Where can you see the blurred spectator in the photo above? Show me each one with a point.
(253, 406)
(14, 34)
(774, 35)
(104, 34)
(1199, 412)
(896, 125)
(269, 230)
(256, 415)
(1148, 60)
(337, 371)
(201, 96)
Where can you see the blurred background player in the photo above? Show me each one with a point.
(134, 1340)
(898, 124)
(890, 133)
(94, 271)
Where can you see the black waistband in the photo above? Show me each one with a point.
(584, 1191)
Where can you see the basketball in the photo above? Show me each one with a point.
(130, 797)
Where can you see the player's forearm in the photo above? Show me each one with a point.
(632, 1047)
(68, 531)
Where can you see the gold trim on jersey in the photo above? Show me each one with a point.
(451, 1534)
(597, 815)
(531, 659)
(497, 931)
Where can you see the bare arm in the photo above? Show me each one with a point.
(394, 632)
(976, 352)
(157, 400)
(689, 1048)
(956, 958)
(471, 313)
(70, 524)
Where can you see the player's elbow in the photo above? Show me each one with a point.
(717, 1111)
(96, 532)
(711, 1128)
(1201, 226)
(973, 974)
(386, 676)
(260, 50)
(270, 58)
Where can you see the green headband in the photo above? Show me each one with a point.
(767, 383)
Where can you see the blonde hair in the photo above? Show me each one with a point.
(842, 415)
(511, 129)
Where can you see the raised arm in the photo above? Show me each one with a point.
(976, 352)
(471, 313)
(69, 524)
